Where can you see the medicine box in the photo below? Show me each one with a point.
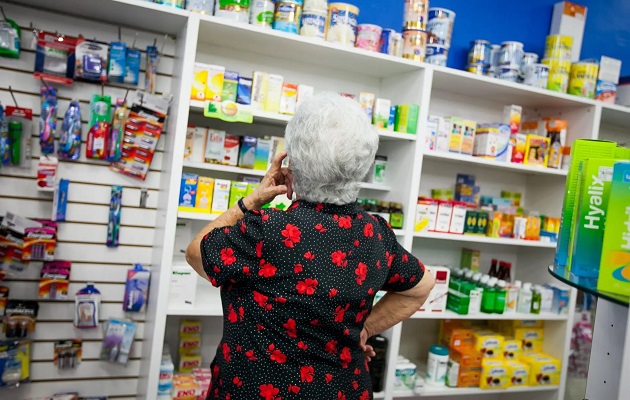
(493, 375)
(426, 214)
(512, 349)
(512, 117)
(205, 189)
(560, 303)
(274, 93)
(263, 149)
(443, 134)
(614, 272)
(518, 143)
(195, 143)
(406, 120)
(461, 343)
(544, 369)
(183, 286)
(436, 302)
(230, 150)
(167, 369)
(277, 147)
(366, 100)
(247, 156)
(221, 196)
(486, 142)
(569, 19)
(230, 86)
(188, 190)
(456, 126)
(188, 363)
(607, 79)
(200, 79)
(189, 344)
(465, 188)
(431, 133)
(536, 150)
(458, 218)
(213, 149)
(380, 117)
(214, 82)
(444, 214)
(244, 91)
(288, 99)
(517, 373)
(260, 84)
(303, 93)
(489, 344)
(468, 137)
(238, 190)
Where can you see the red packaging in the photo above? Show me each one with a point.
(97, 141)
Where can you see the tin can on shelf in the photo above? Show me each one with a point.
(314, 24)
(369, 37)
(440, 26)
(261, 13)
(583, 79)
(436, 54)
(495, 49)
(492, 71)
(537, 75)
(508, 74)
(558, 46)
(235, 10)
(201, 6)
(479, 52)
(287, 16)
(342, 23)
(559, 71)
(171, 3)
(391, 42)
(415, 14)
(511, 55)
(414, 44)
(315, 5)
(478, 69)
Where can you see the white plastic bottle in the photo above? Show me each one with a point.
(524, 304)
(511, 300)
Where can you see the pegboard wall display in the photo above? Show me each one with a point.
(83, 236)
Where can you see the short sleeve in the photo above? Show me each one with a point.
(230, 254)
(405, 270)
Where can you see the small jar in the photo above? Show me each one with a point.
(436, 365)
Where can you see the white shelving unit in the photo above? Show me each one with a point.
(484, 239)
(413, 170)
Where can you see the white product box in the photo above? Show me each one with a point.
(432, 128)
(474, 305)
(436, 302)
(213, 149)
(443, 135)
(443, 221)
(304, 93)
(569, 20)
(426, 215)
(260, 84)
(195, 143)
(607, 79)
(221, 196)
(458, 218)
(380, 114)
(274, 93)
(546, 298)
(512, 116)
(183, 286)
(486, 144)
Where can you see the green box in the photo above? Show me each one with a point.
(251, 187)
(238, 190)
(230, 86)
(589, 216)
(614, 270)
(622, 153)
(580, 151)
(470, 225)
(406, 120)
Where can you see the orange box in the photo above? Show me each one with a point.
(458, 338)
(468, 378)
(467, 358)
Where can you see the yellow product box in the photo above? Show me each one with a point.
(185, 390)
(493, 375)
(274, 93)
(517, 372)
(188, 363)
(532, 345)
(456, 129)
(529, 333)
(214, 83)
(260, 85)
(512, 349)
(537, 150)
(189, 344)
(490, 344)
(468, 137)
(189, 326)
(518, 143)
(544, 369)
(205, 188)
(200, 80)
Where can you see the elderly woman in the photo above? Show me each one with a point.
(297, 286)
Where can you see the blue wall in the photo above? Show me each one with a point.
(607, 24)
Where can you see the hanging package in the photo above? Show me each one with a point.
(20, 125)
(54, 57)
(87, 303)
(70, 136)
(48, 120)
(114, 147)
(90, 60)
(9, 39)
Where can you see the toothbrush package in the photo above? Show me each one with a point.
(113, 226)
(71, 133)
(136, 289)
(54, 280)
(87, 303)
(48, 120)
(119, 336)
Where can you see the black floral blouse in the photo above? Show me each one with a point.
(296, 288)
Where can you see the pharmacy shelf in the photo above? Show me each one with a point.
(379, 395)
(386, 135)
(613, 114)
(483, 316)
(483, 87)
(437, 391)
(205, 311)
(484, 239)
(275, 44)
(375, 186)
(155, 17)
(506, 166)
(259, 116)
(224, 168)
(197, 216)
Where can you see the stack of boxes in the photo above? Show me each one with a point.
(189, 349)
(208, 195)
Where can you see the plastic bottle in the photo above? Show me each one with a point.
(489, 295)
(511, 301)
(493, 268)
(536, 300)
(436, 365)
(524, 304)
(396, 216)
(501, 296)
(468, 275)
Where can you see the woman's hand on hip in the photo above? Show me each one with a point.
(277, 181)
(368, 350)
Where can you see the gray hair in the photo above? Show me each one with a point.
(331, 145)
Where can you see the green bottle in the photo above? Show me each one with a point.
(499, 301)
(488, 296)
(536, 300)
(396, 216)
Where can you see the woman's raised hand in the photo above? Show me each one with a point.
(277, 181)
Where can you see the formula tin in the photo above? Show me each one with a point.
(287, 16)
(415, 15)
(492, 71)
(342, 23)
(508, 74)
(391, 42)
(440, 26)
(495, 49)
(559, 71)
(511, 55)
(479, 52)
(315, 5)
(537, 75)
(368, 37)
(414, 44)
(436, 54)
(201, 6)
(583, 79)
(235, 10)
(314, 24)
(261, 13)
(558, 46)
(171, 3)
(478, 69)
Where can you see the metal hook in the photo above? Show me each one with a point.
(3, 14)
(133, 45)
(126, 94)
(154, 42)
(13, 97)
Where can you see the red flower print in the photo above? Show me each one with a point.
(228, 396)
(259, 327)
(345, 357)
(215, 370)
(390, 258)
(266, 270)
(359, 216)
(260, 298)
(239, 348)
(328, 378)
(405, 258)
(226, 352)
(246, 271)
(306, 286)
(421, 265)
(319, 207)
(297, 268)
(331, 347)
(339, 258)
(357, 371)
(332, 292)
(340, 312)
(378, 264)
(227, 256)
(396, 278)
(216, 270)
(314, 322)
(276, 355)
(293, 206)
(250, 355)
(281, 300)
(268, 392)
(307, 373)
(320, 228)
(237, 381)
(370, 291)
(355, 385)
(290, 328)
(357, 243)
(259, 247)
(309, 256)
(232, 317)
(291, 234)
(362, 303)
(341, 396)
(361, 272)
(226, 230)
(368, 230)
(346, 332)
(302, 345)
(380, 237)
(243, 227)
(360, 316)
(412, 279)
(292, 388)
(365, 395)
(265, 217)
(213, 282)
(345, 222)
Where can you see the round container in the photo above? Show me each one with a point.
(479, 52)
(511, 55)
(491, 72)
(314, 24)
(559, 71)
(583, 79)
(201, 6)
(495, 49)
(558, 46)
(342, 23)
(261, 13)
(171, 3)
(436, 54)
(414, 44)
(479, 69)
(315, 5)
(537, 75)
(235, 10)
(440, 26)
(287, 16)
(508, 74)
(386, 37)
(436, 365)
(391, 42)
(415, 15)
(368, 37)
